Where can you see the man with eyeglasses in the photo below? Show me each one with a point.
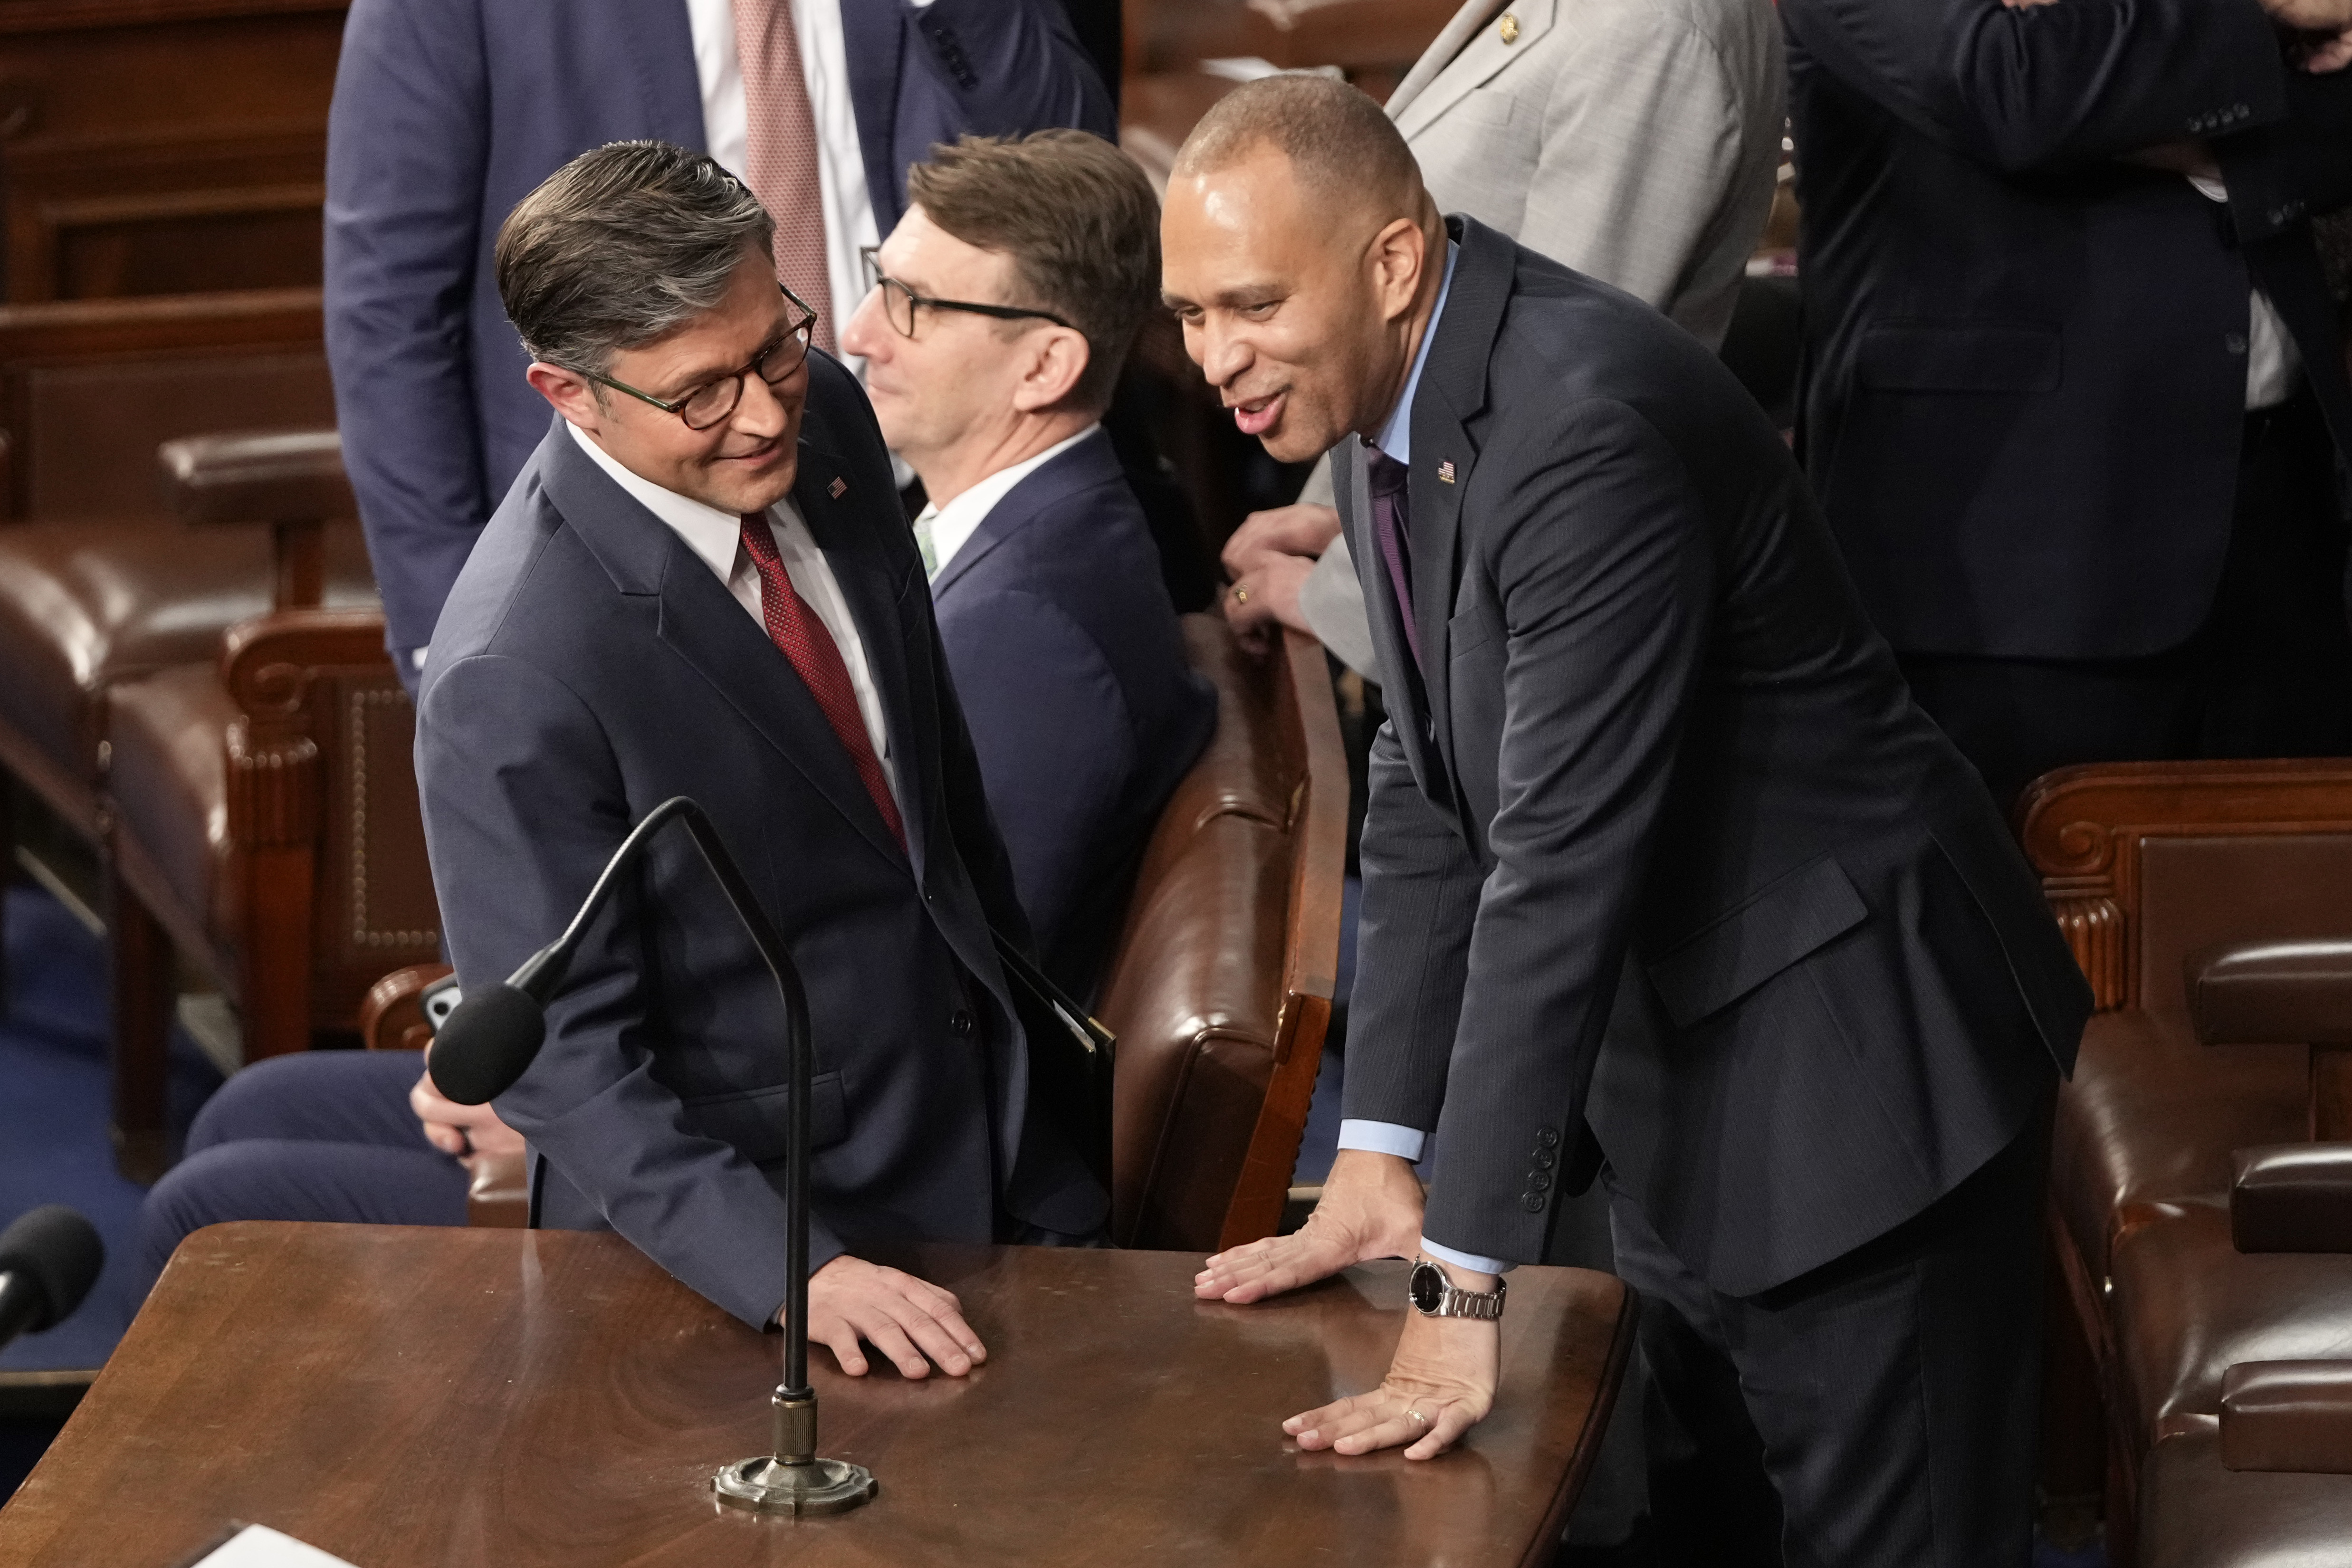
(701, 583)
(997, 316)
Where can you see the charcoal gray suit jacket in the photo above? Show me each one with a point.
(1657, 842)
(590, 666)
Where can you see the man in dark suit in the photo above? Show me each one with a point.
(2074, 402)
(1662, 869)
(702, 584)
(1002, 305)
(446, 112)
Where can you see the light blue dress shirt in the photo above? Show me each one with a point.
(1395, 439)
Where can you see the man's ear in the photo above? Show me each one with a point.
(1055, 365)
(568, 392)
(1398, 253)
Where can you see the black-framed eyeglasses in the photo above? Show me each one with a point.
(899, 303)
(709, 404)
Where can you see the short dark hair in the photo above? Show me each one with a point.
(1079, 221)
(1337, 139)
(624, 244)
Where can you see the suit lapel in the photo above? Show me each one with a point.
(1089, 463)
(1452, 392)
(1475, 54)
(871, 38)
(877, 605)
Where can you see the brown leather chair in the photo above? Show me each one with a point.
(1220, 987)
(2161, 873)
(98, 583)
(260, 807)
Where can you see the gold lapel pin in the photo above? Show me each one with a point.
(1445, 472)
(1511, 28)
(839, 487)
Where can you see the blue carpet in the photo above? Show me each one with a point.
(53, 1099)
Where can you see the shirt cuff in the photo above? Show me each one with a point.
(1382, 1137)
(1469, 1260)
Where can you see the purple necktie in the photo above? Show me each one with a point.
(1389, 513)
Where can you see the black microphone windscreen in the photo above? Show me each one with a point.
(58, 1249)
(486, 1045)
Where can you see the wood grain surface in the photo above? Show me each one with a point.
(417, 1396)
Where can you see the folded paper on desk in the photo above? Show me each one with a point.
(258, 1546)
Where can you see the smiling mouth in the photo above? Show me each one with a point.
(1257, 416)
(758, 455)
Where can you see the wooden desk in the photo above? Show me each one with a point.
(448, 1397)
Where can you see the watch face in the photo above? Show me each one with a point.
(1428, 1287)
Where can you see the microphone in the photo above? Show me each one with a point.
(495, 1035)
(48, 1260)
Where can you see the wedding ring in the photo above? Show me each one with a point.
(1416, 1416)
(1241, 595)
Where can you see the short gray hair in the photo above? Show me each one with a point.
(1338, 142)
(624, 244)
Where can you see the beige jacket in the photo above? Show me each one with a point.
(1636, 141)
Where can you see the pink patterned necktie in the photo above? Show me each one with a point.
(781, 151)
(795, 630)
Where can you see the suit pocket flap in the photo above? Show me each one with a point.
(1915, 357)
(1738, 951)
(757, 1121)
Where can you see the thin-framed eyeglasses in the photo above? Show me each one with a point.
(900, 303)
(709, 404)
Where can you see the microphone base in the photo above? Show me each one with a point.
(764, 1484)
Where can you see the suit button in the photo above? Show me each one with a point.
(1539, 1180)
(1547, 1139)
(2235, 342)
(960, 1023)
(1533, 1202)
(1545, 1159)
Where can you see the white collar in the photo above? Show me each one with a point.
(952, 525)
(712, 535)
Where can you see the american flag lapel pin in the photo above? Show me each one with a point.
(839, 487)
(1445, 472)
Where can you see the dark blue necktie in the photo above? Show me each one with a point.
(1389, 515)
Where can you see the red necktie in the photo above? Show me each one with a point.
(780, 152)
(795, 629)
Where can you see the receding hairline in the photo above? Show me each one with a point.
(1342, 149)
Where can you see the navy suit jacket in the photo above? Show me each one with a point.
(1072, 674)
(2025, 361)
(590, 666)
(447, 112)
(1657, 840)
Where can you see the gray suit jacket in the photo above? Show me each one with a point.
(1634, 141)
(588, 666)
(1661, 844)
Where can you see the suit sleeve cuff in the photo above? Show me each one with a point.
(1469, 1260)
(1382, 1137)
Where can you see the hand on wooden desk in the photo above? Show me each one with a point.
(1370, 1209)
(906, 1319)
(1441, 1385)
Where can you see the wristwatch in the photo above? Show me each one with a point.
(1435, 1296)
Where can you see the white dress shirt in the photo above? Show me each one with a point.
(717, 537)
(2272, 359)
(949, 527)
(840, 160)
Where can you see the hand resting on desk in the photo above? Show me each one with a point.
(906, 1318)
(1370, 1209)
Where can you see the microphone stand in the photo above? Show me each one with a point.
(792, 1480)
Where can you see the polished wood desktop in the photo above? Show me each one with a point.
(454, 1397)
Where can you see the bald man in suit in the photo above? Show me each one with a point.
(1634, 141)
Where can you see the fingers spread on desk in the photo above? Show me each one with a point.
(1268, 1267)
